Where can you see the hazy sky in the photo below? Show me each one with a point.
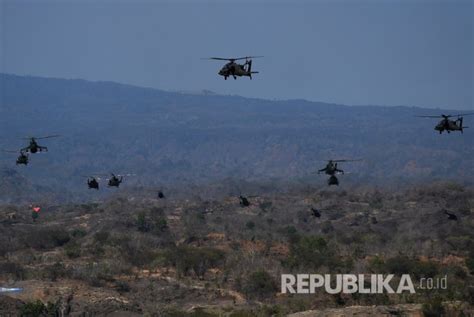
(351, 52)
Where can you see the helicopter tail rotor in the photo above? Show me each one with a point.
(249, 68)
(461, 127)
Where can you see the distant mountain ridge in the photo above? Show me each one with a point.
(171, 138)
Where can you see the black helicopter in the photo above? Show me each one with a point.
(449, 125)
(92, 183)
(161, 195)
(115, 181)
(34, 147)
(234, 69)
(22, 159)
(243, 201)
(331, 167)
(315, 212)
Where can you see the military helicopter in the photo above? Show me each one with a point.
(34, 147)
(234, 69)
(22, 158)
(449, 125)
(331, 167)
(115, 181)
(315, 212)
(92, 183)
(243, 201)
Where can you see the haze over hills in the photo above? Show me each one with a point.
(172, 138)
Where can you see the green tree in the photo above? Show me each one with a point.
(309, 251)
(260, 284)
(142, 223)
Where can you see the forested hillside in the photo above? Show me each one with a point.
(171, 139)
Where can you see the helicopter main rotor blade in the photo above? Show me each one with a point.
(335, 161)
(232, 59)
(447, 116)
(39, 138)
(93, 177)
(246, 57)
(49, 136)
(436, 117)
(117, 175)
(462, 114)
(219, 58)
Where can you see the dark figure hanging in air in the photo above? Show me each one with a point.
(161, 195)
(333, 180)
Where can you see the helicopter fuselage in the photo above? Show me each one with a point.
(22, 159)
(115, 181)
(234, 69)
(449, 125)
(331, 169)
(34, 147)
(244, 202)
(93, 183)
